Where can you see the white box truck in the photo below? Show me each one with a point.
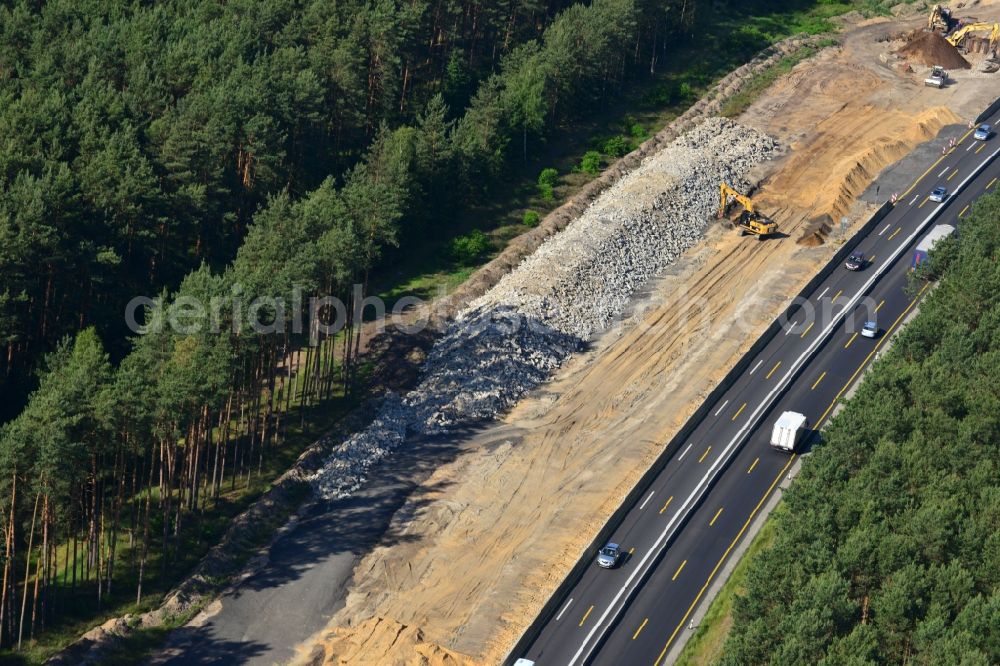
(788, 431)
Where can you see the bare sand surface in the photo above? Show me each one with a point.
(499, 527)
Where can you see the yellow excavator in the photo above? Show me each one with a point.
(750, 221)
(955, 39)
(939, 19)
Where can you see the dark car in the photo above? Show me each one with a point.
(855, 262)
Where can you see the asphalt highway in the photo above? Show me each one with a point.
(678, 535)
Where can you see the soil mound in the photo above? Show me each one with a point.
(930, 48)
(381, 636)
(816, 231)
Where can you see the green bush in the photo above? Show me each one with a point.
(591, 163)
(530, 218)
(617, 146)
(686, 93)
(546, 192)
(467, 249)
(548, 177)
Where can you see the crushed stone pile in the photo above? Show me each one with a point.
(512, 338)
(930, 48)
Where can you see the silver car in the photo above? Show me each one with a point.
(938, 194)
(608, 556)
(869, 330)
(983, 132)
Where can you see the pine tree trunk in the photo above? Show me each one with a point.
(8, 554)
(27, 572)
(40, 563)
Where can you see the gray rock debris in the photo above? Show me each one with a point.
(513, 337)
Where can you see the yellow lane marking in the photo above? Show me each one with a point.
(874, 350)
(585, 616)
(739, 411)
(898, 229)
(990, 184)
(772, 370)
(705, 454)
(836, 296)
(871, 259)
(980, 148)
(667, 503)
(808, 328)
(753, 465)
(723, 558)
(636, 634)
(715, 517)
(964, 137)
(679, 569)
(781, 474)
(953, 174)
(936, 162)
(818, 381)
(850, 341)
(964, 209)
(879, 306)
(926, 199)
(631, 550)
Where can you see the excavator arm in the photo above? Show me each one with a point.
(956, 38)
(725, 192)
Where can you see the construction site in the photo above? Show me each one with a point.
(559, 385)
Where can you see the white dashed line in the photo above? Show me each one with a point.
(681, 456)
(643, 505)
(641, 568)
(889, 225)
(559, 617)
(944, 172)
(822, 294)
(721, 408)
(913, 201)
(756, 366)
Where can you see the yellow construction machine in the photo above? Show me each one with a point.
(750, 221)
(955, 39)
(939, 19)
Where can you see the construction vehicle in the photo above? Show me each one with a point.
(956, 38)
(750, 220)
(938, 77)
(940, 19)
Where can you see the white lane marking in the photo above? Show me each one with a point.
(681, 456)
(643, 505)
(559, 617)
(890, 224)
(912, 201)
(944, 172)
(756, 366)
(822, 293)
(971, 146)
(721, 408)
(791, 327)
(653, 553)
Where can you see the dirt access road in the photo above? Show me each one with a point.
(488, 535)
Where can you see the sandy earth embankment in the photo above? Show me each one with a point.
(499, 527)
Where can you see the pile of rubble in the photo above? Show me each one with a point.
(511, 339)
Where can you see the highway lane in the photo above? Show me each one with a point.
(681, 531)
